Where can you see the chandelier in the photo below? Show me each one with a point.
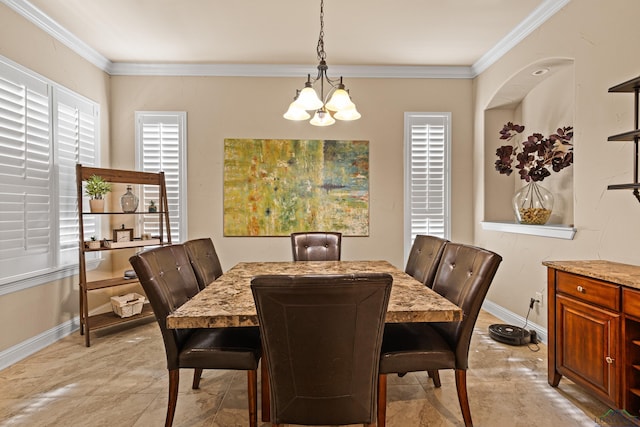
(339, 105)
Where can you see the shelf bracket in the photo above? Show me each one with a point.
(630, 86)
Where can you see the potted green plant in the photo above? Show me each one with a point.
(152, 206)
(96, 187)
(93, 243)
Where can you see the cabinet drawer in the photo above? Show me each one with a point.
(631, 302)
(589, 290)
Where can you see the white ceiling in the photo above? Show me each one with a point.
(361, 33)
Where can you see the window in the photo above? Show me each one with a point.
(75, 135)
(427, 175)
(44, 130)
(161, 140)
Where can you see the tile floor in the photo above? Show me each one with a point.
(122, 381)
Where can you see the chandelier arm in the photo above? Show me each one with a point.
(334, 82)
(343, 109)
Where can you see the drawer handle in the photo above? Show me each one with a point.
(580, 289)
(609, 360)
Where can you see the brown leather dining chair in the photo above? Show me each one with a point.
(321, 336)
(424, 258)
(316, 246)
(463, 277)
(204, 260)
(169, 281)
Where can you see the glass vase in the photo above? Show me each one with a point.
(533, 204)
(129, 201)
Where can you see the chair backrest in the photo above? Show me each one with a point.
(167, 278)
(316, 246)
(424, 258)
(322, 337)
(463, 277)
(204, 260)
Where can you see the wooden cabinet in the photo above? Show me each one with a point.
(594, 329)
(587, 349)
(155, 181)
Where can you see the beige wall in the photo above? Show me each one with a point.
(602, 42)
(599, 40)
(33, 311)
(219, 108)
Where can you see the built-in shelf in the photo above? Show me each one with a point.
(556, 231)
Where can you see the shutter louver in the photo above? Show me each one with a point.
(161, 151)
(26, 174)
(75, 143)
(427, 176)
(40, 143)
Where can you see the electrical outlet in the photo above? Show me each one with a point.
(539, 299)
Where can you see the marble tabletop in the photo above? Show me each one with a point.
(614, 272)
(229, 302)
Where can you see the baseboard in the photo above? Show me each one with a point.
(511, 318)
(26, 348)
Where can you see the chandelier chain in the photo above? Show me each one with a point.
(320, 49)
(335, 105)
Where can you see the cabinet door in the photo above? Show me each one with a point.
(587, 347)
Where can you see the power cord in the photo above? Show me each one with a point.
(533, 344)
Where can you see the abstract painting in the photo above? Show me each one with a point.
(273, 187)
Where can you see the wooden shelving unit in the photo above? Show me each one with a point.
(89, 323)
(631, 86)
(632, 365)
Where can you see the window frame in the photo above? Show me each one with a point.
(412, 119)
(177, 215)
(63, 262)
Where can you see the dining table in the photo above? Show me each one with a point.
(228, 301)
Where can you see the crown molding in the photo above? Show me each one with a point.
(543, 12)
(547, 9)
(291, 70)
(44, 22)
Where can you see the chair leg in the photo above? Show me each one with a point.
(435, 376)
(266, 391)
(252, 391)
(197, 374)
(463, 398)
(174, 381)
(382, 400)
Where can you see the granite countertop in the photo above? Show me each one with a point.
(229, 302)
(614, 272)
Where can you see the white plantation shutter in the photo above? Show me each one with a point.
(427, 175)
(26, 172)
(36, 215)
(161, 146)
(75, 140)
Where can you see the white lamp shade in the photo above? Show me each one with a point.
(340, 100)
(308, 99)
(348, 114)
(295, 112)
(322, 118)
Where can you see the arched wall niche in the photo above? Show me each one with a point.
(541, 97)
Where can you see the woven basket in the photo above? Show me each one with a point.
(127, 305)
